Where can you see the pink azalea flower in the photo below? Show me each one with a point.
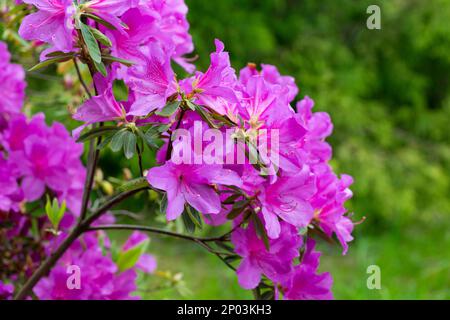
(12, 84)
(103, 107)
(305, 283)
(10, 193)
(99, 275)
(191, 184)
(153, 82)
(111, 10)
(6, 291)
(329, 208)
(53, 23)
(313, 147)
(172, 29)
(214, 87)
(276, 263)
(288, 199)
(272, 76)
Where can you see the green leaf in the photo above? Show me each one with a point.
(100, 67)
(261, 231)
(191, 105)
(134, 184)
(102, 38)
(125, 62)
(129, 144)
(232, 199)
(205, 116)
(118, 140)
(54, 212)
(120, 90)
(268, 295)
(163, 203)
(187, 221)
(99, 20)
(128, 259)
(48, 62)
(224, 246)
(59, 54)
(169, 109)
(232, 258)
(151, 137)
(91, 43)
(97, 132)
(106, 140)
(195, 217)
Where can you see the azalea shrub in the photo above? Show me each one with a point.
(231, 148)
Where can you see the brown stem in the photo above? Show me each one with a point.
(203, 242)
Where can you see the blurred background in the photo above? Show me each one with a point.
(387, 92)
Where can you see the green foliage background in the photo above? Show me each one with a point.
(387, 92)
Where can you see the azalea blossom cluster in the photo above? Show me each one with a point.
(37, 161)
(274, 205)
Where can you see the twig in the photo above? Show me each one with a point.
(80, 78)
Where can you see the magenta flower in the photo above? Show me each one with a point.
(39, 163)
(276, 263)
(99, 275)
(288, 199)
(192, 184)
(103, 107)
(313, 148)
(284, 84)
(153, 82)
(214, 87)
(329, 208)
(172, 29)
(111, 10)
(10, 193)
(12, 84)
(305, 283)
(53, 23)
(6, 291)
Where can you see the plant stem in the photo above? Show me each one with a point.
(203, 242)
(170, 146)
(80, 78)
(154, 230)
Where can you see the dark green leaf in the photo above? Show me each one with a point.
(129, 145)
(205, 116)
(268, 295)
(127, 63)
(169, 109)
(97, 132)
(232, 199)
(103, 39)
(261, 231)
(91, 43)
(48, 62)
(106, 140)
(187, 221)
(163, 203)
(99, 20)
(195, 216)
(232, 258)
(224, 246)
(100, 67)
(118, 140)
